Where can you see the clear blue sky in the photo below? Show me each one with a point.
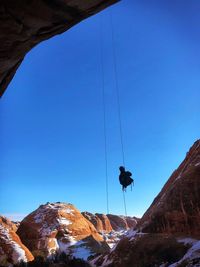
(51, 139)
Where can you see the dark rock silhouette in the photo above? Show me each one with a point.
(25, 23)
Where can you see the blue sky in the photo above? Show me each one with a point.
(51, 139)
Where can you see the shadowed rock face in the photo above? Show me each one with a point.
(25, 23)
(149, 250)
(110, 222)
(122, 222)
(100, 221)
(176, 209)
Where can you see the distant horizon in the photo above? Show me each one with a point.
(16, 217)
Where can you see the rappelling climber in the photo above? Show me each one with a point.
(125, 178)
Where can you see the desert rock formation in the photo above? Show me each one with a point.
(11, 248)
(60, 227)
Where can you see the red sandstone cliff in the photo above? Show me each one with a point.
(110, 222)
(12, 250)
(170, 227)
(176, 209)
(100, 221)
(60, 227)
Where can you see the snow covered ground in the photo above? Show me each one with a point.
(113, 237)
(192, 253)
(15, 251)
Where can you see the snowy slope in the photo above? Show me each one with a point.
(11, 248)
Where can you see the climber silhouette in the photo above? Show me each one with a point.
(125, 178)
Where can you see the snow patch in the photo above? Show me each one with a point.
(63, 221)
(187, 241)
(75, 248)
(113, 237)
(192, 253)
(65, 243)
(68, 210)
(131, 233)
(18, 254)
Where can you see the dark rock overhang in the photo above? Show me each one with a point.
(25, 23)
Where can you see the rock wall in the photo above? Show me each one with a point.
(12, 250)
(110, 222)
(122, 222)
(176, 209)
(169, 231)
(25, 23)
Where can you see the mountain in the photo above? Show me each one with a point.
(176, 209)
(11, 248)
(100, 221)
(122, 222)
(168, 234)
(60, 227)
(107, 223)
(111, 227)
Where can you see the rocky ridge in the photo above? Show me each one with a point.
(176, 208)
(122, 222)
(108, 223)
(100, 221)
(111, 227)
(55, 228)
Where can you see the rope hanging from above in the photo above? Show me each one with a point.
(118, 102)
(104, 115)
(117, 89)
(125, 175)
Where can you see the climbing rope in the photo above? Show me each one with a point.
(117, 88)
(118, 100)
(124, 203)
(104, 108)
(104, 114)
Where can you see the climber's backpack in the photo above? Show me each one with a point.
(128, 180)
